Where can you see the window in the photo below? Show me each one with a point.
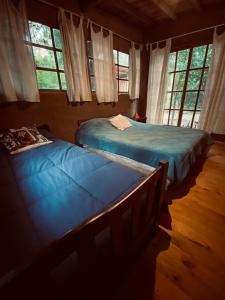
(122, 67)
(188, 71)
(47, 50)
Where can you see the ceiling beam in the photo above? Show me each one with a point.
(163, 5)
(133, 12)
(86, 5)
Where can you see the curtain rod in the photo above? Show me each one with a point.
(79, 15)
(184, 34)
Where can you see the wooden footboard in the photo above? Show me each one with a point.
(144, 204)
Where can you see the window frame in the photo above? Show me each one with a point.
(53, 48)
(185, 89)
(117, 67)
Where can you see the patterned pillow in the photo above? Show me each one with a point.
(22, 139)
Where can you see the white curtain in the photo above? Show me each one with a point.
(17, 69)
(106, 85)
(134, 72)
(157, 78)
(212, 117)
(75, 58)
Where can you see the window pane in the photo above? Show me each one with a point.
(167, 101)
(44, 58)
(123, 72)
(123, 86)
(47, 80)
(172, 59)
(93, 84)
(115, 56)
(165, 117)
(200, 99)
(190, 100)
(174, 114)
(196, 120)
(170, 82)
(182, 59)
(57, 38)
(209, 55)
(176, 100)
(63, 81)
(123, 59)
(179, 81)
(186, 118)
(60, 60)
(204, 79)
(198, 56)
(40, 34)
(91, 67)
(194, 79)
(90, 49)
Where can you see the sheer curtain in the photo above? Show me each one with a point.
(134, 72)
(17, 69)
(106, 85)
(212, 117)
(157, 83)
(75, 58)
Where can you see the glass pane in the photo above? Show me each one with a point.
(57, 38)
(123, 72)
(165, 117)
(198, 56)
(182, 59)
(115, 57)
(179, 81)
(44, 58)
(194, 79)
(47, 80)
(186, 118)
(91, 67)
(200, 99)
(123, 59)
(167, 101)
(190, 100)
(93, 84)
(204, 79)
(176, 100)
(63, 81)
(40, 34)
(209, 55)
(123, 86)
(174, 114)
(170, 82)
(196, 120)
(60, 60)
(172, 59)
(90, 49)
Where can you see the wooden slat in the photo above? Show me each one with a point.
(166, 9)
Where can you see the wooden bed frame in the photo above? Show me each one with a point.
(81, 239)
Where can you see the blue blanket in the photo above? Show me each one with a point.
(47, 191)
(148, 143)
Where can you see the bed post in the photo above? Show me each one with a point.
(162, 185)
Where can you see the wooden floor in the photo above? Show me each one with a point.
(187, 262)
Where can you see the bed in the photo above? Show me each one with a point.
(148, 144)
(56, 198)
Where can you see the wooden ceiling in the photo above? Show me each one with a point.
(145, 14)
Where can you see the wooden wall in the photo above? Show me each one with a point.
(54, 109)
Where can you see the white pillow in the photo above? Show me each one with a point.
(120, 122)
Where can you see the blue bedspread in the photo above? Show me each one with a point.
(47, 191)
(148, 143)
